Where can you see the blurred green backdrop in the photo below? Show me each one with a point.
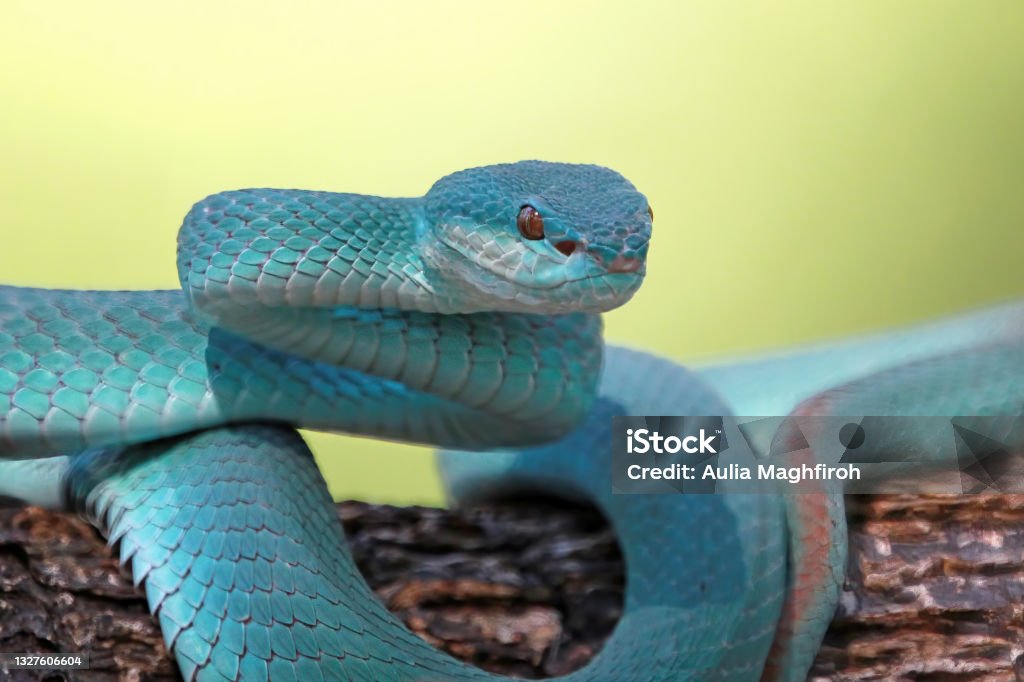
(816, 169)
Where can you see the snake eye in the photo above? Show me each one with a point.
(650, 212)
(530, 223)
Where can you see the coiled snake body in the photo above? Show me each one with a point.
(467, 318)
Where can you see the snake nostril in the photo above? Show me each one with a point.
(567, 247)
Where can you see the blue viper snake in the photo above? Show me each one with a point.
(468, 319)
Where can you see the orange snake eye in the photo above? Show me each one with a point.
(650, 212)
(530, 223)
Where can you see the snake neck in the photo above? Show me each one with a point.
(302, 248)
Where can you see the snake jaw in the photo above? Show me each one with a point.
(463, 275)
(478, 268)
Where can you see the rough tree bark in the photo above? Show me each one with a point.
(935, 588)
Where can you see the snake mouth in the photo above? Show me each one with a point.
(623, 264)
(533, 282)
(614, 277)
(592, 293)
(608, 287)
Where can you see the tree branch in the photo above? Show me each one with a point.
(935, 588)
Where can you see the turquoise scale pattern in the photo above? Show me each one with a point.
(234, 537)
(76, 367)
(302, 248)
(83, 369)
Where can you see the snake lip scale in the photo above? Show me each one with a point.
(469, 319)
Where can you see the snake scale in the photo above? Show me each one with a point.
(468, 318)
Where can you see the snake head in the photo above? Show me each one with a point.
(535, 237)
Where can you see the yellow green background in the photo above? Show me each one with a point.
(816, 169)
